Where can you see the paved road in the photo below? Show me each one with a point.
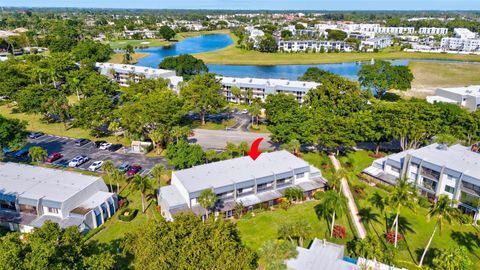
(352, 207)
(67, 148)
(217, 139)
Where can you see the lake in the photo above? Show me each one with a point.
(209, 43)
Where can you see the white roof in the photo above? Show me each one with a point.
(271, 83)
(37, 182)
(136, 69)
(472, 90)
(433, 99)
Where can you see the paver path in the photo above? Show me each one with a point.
(352, 207)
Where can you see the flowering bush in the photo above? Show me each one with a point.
(391, 237)
(339, 232)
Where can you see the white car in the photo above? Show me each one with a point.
(77, 161)
(105, 146)
(95, 165)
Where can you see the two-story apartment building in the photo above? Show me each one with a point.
(313, 46)
(467, 97)
(124, 74)
(436, 169)
(31, 195)
(251, 183)
(260, 88)
(433, 31)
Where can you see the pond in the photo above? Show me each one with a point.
(208, 43)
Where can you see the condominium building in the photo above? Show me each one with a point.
(145, 33)
(239, 181)
(378, 42)
(387, 30)
(124, 74)
(460, 44)
(260, 88)
(29, 196)
(322, 255)
(464, 33)
(313, 45)
(467, 97)
(436, 169)
(433, 31)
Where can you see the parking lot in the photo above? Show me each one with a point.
(68, 149)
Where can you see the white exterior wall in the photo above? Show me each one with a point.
(183, 191)
(460, 44)
(433, 31)
(445, 180)
(389, 170)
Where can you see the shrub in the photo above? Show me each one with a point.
(424, 202)
(359, 191)
(339, 232)
(465, 219)
(128, 214)
(391, 237)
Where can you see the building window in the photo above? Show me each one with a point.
(300, 175)
(395, 169)
(53, 210)
(449, 189)
(413, 176)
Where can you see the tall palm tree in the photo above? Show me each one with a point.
(108, 167)
(37, 153)
(142, 184)
(237, 93)
(442, 211)
(158, 171)
(404, 195)
(118, 177)
(336, 203)
(243, 147)
(157, 137)
(207, 200)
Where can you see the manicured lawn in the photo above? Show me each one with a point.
(117, 58)
(214, 126)
(262, 128)
(254, 231)
(236, 56)
(35, 123)
(417, 228)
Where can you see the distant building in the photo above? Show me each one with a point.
(145, 33)
(378, 42)
(433, 31)
(468, 97)
(123, 74)
(239, 181)
(262, 87)
(323, 255)
(313, 46)
(29, 196)
(460, 44)
(435, 170)
(464, 33)
(386, 30)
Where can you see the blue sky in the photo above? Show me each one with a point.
(257, 4)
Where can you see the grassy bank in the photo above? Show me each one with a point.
(122, 43)
(235, 56)
(117, 57)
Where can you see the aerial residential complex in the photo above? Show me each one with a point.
(313, 46)
(436, 169)
(251, 183)
(30, 195)
(123, 73)
(467, 97)
(262, 87)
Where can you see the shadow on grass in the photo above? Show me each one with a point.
(431, 254)
(122, 261)
(467, 239)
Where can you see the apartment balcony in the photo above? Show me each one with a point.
(431, 174)
(265, 188)
(284, 184)
(16, 217)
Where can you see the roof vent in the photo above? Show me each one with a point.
(442, 146)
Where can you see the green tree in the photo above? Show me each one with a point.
(286, 34)
(243, 148)
(368, 217)
(207, 200)
(255, 109)
(158, 170)
(185, 65)
(314, 74)
(295, 230)
(166, 32)
(455, 258)
(276, 252)
(382, 76)
(109, 168)
(37, 153)
(203, 95)
(183, 155)
(93, 112)
(143, 184)
(267, 44)
(91, 50)
(237, 93)
(292, 146)
(114, 127)
(294, 194)
(336, 204)
(403, 195)
(231, 149)
(441, 211)
(382, 204)
(12, 132)
(334, 34)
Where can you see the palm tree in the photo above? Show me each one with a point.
(37, 153)
(336, 204)
(255, 110)
(368, 217)
(442, 210)
(142, 184)
(231, 149)
(237, 93)
(118, 177)
(248, 95)
(294, 194)
(158, 171)
(292, 146)
(210, 155)
(109, 168)
(335, 181)
(381, 203)
(207, 200)
(156, 136)
(243, 147)
(404, 195)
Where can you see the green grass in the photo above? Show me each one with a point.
(236, 56)
(420, 227)
(35, 123)
(262, 128)
(117, 58)
(254, 231)
(214, 126)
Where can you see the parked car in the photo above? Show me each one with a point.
(35, 135)
(81, 142)
(124, 167)
(95, 165)
(22, 152)
(134, 169)
(105, 146)
(77, 161)
(114, 147)
(99, 143)
(53, 156)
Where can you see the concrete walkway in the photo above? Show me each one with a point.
(352, 207)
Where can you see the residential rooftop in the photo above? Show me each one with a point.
(273, 83)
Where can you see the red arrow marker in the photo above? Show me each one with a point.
(254, 153)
